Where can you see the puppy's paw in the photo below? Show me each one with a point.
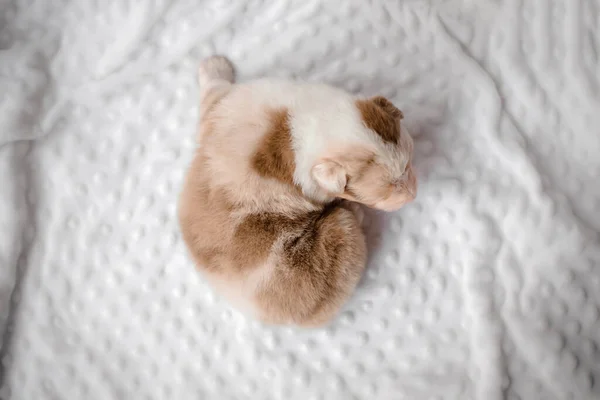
(215, 67)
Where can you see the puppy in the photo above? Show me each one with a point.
(269, 209)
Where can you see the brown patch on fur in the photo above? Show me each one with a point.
(388, 106)
(321, 260)
(274, 157)
(381, 116)
(255, 235)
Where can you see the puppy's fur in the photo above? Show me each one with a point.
(268, 209)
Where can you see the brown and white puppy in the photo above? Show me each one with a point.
(269, 207)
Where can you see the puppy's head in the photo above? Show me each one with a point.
(376, 170)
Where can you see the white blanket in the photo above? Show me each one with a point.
(487, 287)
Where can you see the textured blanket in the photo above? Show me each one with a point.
(487, 287)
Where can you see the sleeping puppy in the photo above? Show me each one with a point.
(269, 209)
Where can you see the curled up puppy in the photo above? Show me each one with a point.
(270, 206)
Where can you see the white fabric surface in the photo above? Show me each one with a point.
(487, 287)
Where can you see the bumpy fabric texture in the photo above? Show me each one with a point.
(486, 287)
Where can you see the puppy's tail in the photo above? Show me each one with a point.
(215, 76)
(215, 68)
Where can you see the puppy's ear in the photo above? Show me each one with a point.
(330, 176)
(388, 107)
